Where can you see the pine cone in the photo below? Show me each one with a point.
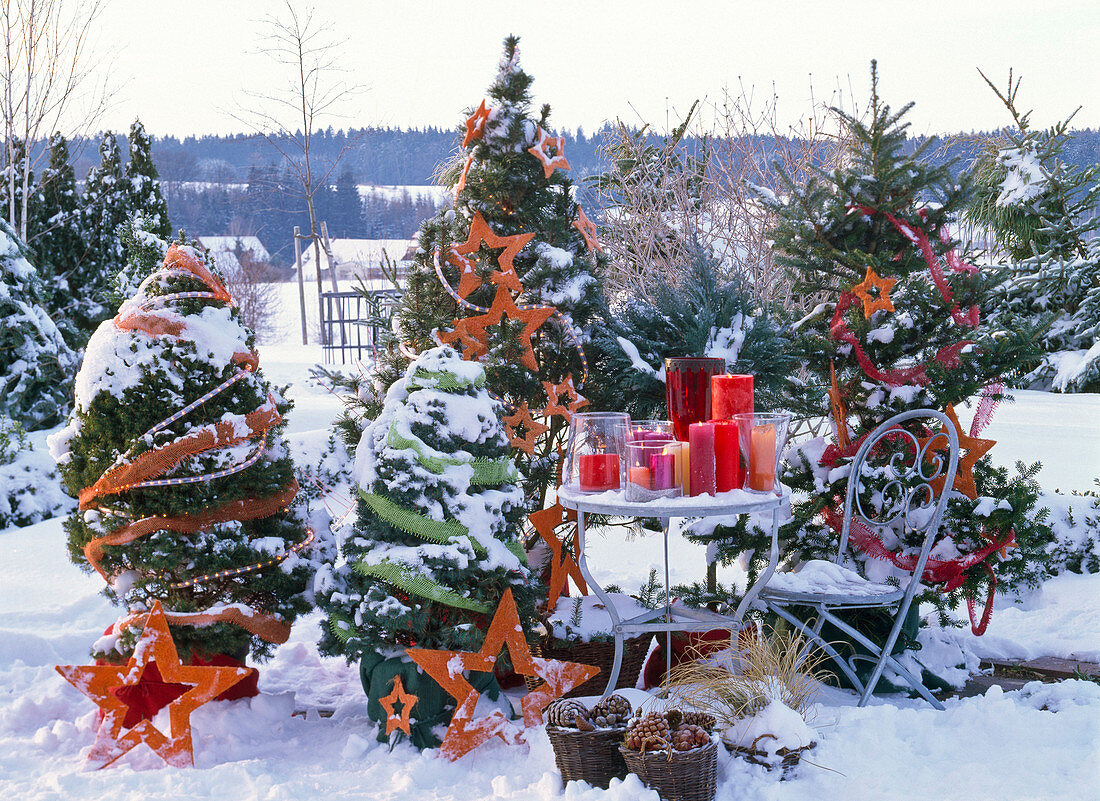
(613, 711)
(562, 712)
(674, 717)
(688, 736)
(650, 733)
(700, 719)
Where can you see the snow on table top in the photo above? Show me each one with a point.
(615, 502)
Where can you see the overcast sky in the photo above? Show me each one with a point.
(183, 66)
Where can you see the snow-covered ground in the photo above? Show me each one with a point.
(1042, 742)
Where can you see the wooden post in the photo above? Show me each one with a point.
(301, 282)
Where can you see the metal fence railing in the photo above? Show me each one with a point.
(351, 322)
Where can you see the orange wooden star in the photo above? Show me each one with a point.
(975, 449)
(106, 685)
(472, 347)
(532, 429)
(475, 125)
(465, 173)
(541, 148)
(395, 720)
(503, 306)
(464, 733)
(587, 229)
(468, 279)
(505, 276)
(554, 393)
(875, 293)
(836, 406)
(563, 562)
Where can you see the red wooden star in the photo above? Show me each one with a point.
(465, 173)
(587, 229)
(541, 151)
(107, 686)
(563, 562)
(475, 125)
(446, 667)
(874, 292)
(472, 347)
(503, 306)
(504, 277)
(468, 279)
(975, 449)
(395, 720)
(532, 429)
(836, 406)
(554, 393)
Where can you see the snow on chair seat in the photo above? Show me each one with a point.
(818, 577)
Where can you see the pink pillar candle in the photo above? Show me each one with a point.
(598, 471)
(701, 441)
(730, 395)
(728, 474)
(661, 465)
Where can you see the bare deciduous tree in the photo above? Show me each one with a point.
(46, 54)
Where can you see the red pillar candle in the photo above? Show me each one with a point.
(730, 395)
(687, 390)
(728, 473)
(701, 440)
(598, 471)
(762, 458)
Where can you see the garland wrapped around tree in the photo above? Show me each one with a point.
(185, 486)
(906, 330)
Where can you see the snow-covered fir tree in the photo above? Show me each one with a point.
(1043, 213)
(105, 205)
(36, 365)
(143, 183)
(31, 490)
(216, 536)
(900, 337)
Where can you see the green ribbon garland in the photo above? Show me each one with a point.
(436, 379)
(486, 471)
(441, 532)
(402, 578)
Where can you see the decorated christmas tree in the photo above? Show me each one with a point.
(508, 275)
(36, 365)
(906, 330)
(435, 546)
(186, 489)
(1043, 214)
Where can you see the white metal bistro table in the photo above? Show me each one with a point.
(614, 502)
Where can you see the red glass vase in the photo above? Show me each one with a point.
(687, 388)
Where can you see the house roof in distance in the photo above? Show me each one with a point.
(231, 244)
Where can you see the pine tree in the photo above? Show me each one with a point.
(499, 180)
(36, 366)
(105, 207)
(215, 534)
(1044, 213)
(899, 338)
(144, 183)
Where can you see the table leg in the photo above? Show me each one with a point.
(616, 621)
(758, 585)
(668, 608)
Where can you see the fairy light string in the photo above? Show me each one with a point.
(147, 469)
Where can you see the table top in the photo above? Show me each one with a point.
(614, 502)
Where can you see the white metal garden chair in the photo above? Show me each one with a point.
(897, 479)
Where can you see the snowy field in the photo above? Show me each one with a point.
(1042, 742)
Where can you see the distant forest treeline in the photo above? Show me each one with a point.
(237, 185)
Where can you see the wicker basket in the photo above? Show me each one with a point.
(686, 776)
(598, 654)
(591, 756)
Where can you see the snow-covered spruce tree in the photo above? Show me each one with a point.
(698, 314)
(1044, 213)
(498, 178)
(435, 545)
(143, 183)
(899, 338)
(31, 492)
(36, 366)
(104, 207)
(215, 537)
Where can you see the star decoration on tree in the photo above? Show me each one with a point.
(503, 306)
(836, 406)
(505, 277)
(107, 685)
(465, 173)
(975, 449)
(447, 667)
(874, 292)
(475, 125)
(563, 561)
(554, 393)
(541, 149)
(532, 429)
(587, 229)
(472, 347)
(398, 720)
